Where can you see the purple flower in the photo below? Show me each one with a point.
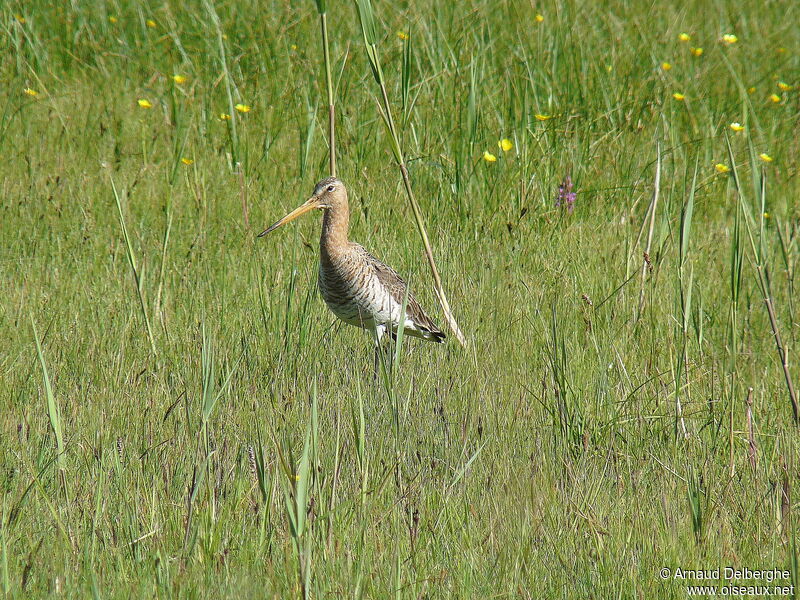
(566, 197)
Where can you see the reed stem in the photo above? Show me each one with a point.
(367, 21)
(323, 20)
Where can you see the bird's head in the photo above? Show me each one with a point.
(329, 193)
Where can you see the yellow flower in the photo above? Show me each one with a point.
(489, 157)
(505, 144)
(20, 19)
(678, 96)
(666, 66)
(224, 117)
(765, 157)
(721, 168)
(242, 108)
(150, 23)
(737, 127)
(30, 92)
(784, 86)
(539, 18)
(729, 38)
(179, 79)
(766, 215)
(293, 46)
(112, 19)
(775, 98)
(539, 117)
(684, 37)
(751, 90)
(187, 161)
(144, 103)
(696, 51)
(402, 35)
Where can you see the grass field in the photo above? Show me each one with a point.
(181, 416)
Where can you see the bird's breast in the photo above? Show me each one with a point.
(352, 291)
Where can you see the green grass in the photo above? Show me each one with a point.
(180, 415)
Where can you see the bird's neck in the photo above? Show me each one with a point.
(335, 224)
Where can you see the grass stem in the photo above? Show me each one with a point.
(367, 21)
(323, 21)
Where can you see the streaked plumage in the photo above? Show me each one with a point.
(357, 287)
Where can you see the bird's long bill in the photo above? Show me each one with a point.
(306, 206)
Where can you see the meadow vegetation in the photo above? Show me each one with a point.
(180, 415)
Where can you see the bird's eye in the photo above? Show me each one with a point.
(331, 188)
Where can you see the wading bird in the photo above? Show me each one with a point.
(357, 287)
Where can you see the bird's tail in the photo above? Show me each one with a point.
(434, 336)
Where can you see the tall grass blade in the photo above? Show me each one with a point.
(686, 218)
(4, 549)
(323, 22)
(695, 496)
(652, 210)
(138, 276)
(211, 390)
(53, 410)
(759, 260)
(232, 132)
(398, 344)
(209, 380)
(301, 490)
